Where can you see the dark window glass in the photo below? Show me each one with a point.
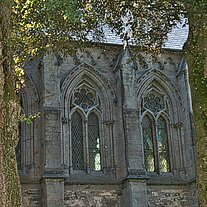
(77, 141)
(162, 142)
(148, 144)
(94, 142)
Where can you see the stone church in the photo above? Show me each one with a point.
(115, 128)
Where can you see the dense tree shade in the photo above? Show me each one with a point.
(196, 52)
(29, 28)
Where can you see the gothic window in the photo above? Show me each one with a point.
(85, 130)
(155, 133)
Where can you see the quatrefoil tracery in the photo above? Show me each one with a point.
(85, 98)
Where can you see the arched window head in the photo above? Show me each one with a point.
(85, 129)
(155, 133)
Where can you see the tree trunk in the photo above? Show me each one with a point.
(195, 50)
(9, 115)
(2, 173)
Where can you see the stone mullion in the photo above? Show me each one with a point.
(155, 147)
(86, 147)
(103, 145)
(170, 144)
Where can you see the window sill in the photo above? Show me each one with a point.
(92, 178)
(165, 179)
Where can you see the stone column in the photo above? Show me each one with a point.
(134, 145)
(187, 169)
(53, 172)
(134, 194)
(53, 193)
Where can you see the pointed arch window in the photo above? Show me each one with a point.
(155, 133)
(85, 130)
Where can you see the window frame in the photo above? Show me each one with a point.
(154, 117)
(85, 115)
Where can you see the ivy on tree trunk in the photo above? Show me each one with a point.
(196, 53)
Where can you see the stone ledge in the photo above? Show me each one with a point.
(29, 180)
(168, 180)
(92, 179)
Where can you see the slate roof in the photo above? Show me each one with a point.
(176, 38)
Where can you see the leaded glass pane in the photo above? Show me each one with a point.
(148, 144)
(94, 142)
(163, 149)
(77, 141)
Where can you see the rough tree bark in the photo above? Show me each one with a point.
(10, 195)
(2, 176)
(196, 53)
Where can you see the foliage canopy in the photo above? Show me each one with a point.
(52, 24)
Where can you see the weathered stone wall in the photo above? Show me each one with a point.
(92, 195)
(110, 195)
(171, 196)
(121, 81)
(31, 195)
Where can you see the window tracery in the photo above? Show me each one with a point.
(85, 98)
(154, 102)
(155, 133)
